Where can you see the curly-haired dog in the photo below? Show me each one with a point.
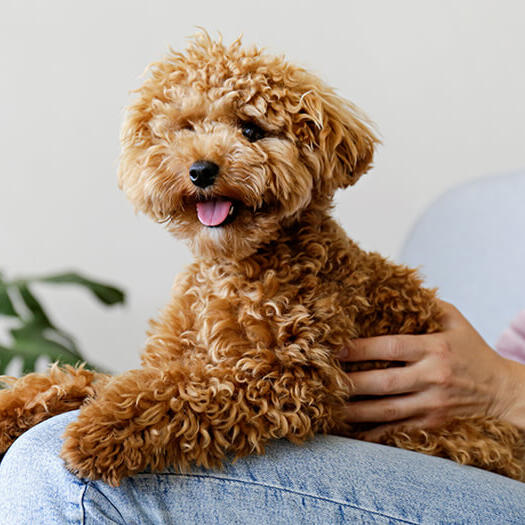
(240, 154)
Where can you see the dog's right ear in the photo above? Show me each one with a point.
(339, 134)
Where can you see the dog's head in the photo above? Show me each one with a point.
(225, 144)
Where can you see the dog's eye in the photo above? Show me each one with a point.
(252, 131)
(188, 126)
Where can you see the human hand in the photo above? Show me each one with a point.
(447, 374)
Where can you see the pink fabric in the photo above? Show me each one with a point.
(511, 344)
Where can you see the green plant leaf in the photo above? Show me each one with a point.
(107, 294)
(33, 305)
(5, 358)
(6, 305)
(32, 338)
(32, 341)
(37, 335)
(68, 340)
(29, 363)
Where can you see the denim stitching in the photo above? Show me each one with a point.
(284, 489)
(82, 508)
(91, 485)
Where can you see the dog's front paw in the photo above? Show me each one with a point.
(97, 448)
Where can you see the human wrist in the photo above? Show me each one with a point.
(515, 393)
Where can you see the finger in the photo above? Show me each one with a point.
(387, 381)
(384, 410)
(385, 347)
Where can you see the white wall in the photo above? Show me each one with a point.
(444, 81)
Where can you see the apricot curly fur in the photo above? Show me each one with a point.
(478, 441)
(35, 397)
(245, 350)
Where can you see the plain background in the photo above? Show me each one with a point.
(444, 81)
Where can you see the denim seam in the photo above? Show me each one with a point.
(91, 485)
(284, 489)
(82, 508)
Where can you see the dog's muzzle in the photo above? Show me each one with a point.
(203, 173)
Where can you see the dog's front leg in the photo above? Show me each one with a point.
(133, 424)
(154, 418)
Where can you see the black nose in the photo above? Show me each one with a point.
(203, 173)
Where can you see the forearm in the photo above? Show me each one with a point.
(515, 393)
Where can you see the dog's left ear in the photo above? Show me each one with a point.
(339, 134)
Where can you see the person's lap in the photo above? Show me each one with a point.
(328, 480)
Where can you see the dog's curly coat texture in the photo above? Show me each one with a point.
(246, 350)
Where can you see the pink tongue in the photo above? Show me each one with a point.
(213, 213)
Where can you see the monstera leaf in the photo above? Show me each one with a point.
(34, 334)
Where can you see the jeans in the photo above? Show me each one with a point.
(329, 480)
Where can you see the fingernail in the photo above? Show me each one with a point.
(342, 353)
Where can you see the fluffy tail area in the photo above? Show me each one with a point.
(478, 441)
(28, 400)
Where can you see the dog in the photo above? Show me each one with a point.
(240, 153)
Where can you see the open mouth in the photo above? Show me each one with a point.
(216, 212)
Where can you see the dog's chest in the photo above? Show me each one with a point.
(273, 310)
